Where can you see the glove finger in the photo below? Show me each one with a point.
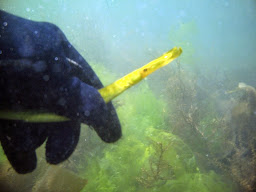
(62, 141)
(22, 162)
(22, 136)
(19, 141)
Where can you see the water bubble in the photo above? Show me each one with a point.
(1, 52)
(40, 66)
(62, 101)
(87, 113)
(27, 9)
(56, 58)
(36, 32)
(5, 23)
(46, 77)
(113, 112)
(182, 13)
(226, 4)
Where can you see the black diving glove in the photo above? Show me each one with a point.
(42, 71)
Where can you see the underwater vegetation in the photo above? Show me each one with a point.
(179, 142)
(241, 161)
(189, 130)
(150, 157)
(218, 125)
(187, 139)
(2, 157)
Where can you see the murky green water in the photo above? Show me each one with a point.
(188, 127)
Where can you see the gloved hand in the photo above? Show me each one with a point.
(42, 71)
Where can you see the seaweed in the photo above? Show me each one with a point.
(2, 155)
(149, 157)
(218, 125)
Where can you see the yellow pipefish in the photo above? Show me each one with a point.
(32, 116)
(111, 91)
(108, 93)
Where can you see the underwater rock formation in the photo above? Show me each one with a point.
(241, 162)
(50, 178)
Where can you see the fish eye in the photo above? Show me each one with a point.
(145, 70)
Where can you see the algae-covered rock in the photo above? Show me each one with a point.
(46, 178)
(242, 159)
